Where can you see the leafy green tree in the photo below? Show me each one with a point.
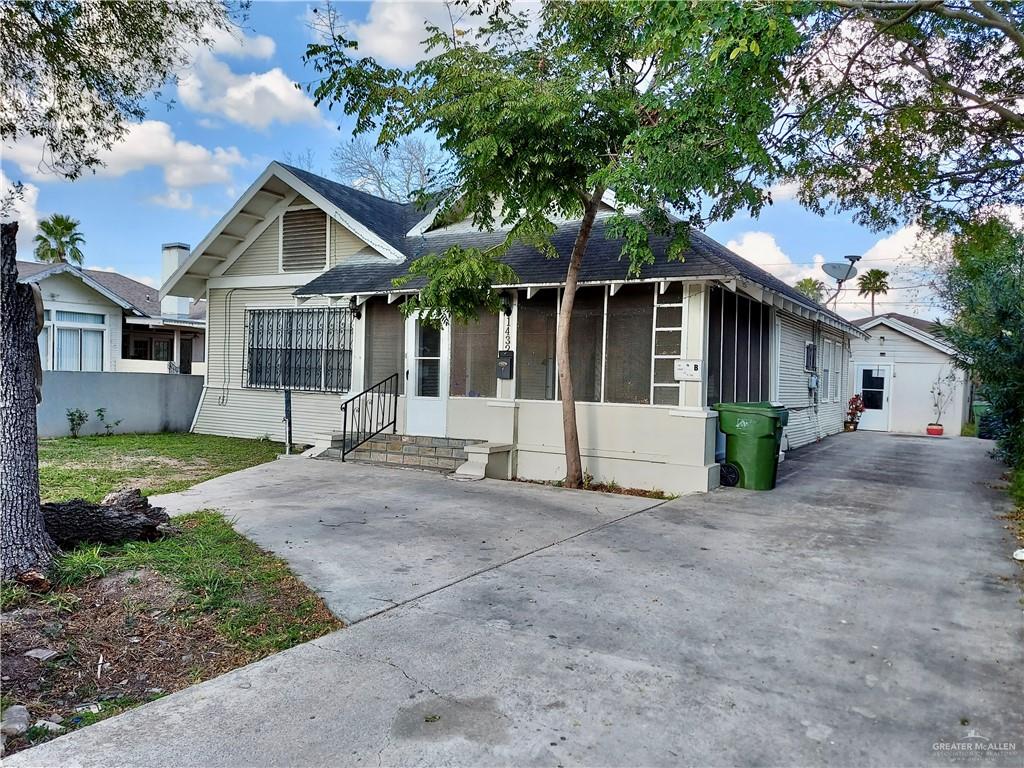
(908, 111)
(75, 74)
(664, 103)
(812, 288)
(983, 289)
(874, 282)
(59, 240)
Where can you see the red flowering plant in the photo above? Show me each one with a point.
(855, 408)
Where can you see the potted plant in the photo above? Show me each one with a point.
(942, 394)
(853, 411)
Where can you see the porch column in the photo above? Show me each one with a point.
(176, 352)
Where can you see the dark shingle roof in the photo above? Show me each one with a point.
(928, 326)
(139, 295)
(385, 218)
(603, 262)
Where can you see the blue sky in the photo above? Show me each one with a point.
(235, 109)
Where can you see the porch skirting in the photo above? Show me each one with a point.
(638, 446)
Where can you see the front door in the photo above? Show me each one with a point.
(426, 373)
(874, 385)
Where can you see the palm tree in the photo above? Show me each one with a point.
(59, 240)
(872, 283)
(811, 288)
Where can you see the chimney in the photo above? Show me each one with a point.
(174, 254)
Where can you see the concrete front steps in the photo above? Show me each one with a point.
(435, 454)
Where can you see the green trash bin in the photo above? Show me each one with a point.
(753, 436)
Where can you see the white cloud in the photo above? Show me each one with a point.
(144, 279)
(240, 45)
(784, 190)
(394, 30)
(761, 249)
(174, 198)
(903, 254)
(21, 209)
(256, 99)
(205, 122)
(147, 144)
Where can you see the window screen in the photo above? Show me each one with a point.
(474, 357)
(385, 342)
(536, 345)
(586, 343)
(628, 356)
(304, 241)
(810, 357)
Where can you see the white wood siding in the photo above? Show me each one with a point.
(346, 247)
(262, 257)
(229, 409)
(809, 420)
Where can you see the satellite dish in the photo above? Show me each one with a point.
(840, 270)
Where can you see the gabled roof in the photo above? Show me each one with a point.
(897, 323)
(131, 295)
(379, 223)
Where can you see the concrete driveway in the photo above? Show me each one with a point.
(865, 613)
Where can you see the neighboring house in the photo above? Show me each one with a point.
(102, 321)
(298, 277)
(895, 371)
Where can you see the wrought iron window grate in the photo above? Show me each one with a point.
(302, 348)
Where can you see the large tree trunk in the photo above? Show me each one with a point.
(26, 549)
(573, 463)
(122, 516)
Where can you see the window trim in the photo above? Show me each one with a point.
(810, 346)
(51, 323)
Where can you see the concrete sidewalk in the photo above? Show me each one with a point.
(863, 613)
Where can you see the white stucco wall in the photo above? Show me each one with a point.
(68, 293)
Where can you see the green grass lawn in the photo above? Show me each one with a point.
(91, 467)
(152, 616)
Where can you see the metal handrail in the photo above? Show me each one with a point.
(366, 415)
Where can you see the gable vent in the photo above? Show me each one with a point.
(304, 241)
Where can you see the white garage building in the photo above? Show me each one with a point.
(895, 370)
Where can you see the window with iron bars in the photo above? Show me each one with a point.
(302, 348)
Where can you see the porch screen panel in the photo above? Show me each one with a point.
(742, 349)
(754, 391)
(385, 342)
(739, 348)
(628, 355)
(728, 372)
(536, 345)
(474, 357)
(586, 344)
(714, 363)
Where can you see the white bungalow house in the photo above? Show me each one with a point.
(298, 279)
(97, 320)
(896, 369)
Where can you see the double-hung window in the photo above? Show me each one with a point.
(302, 348)
(826, 373)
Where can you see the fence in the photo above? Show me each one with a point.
(144, 402)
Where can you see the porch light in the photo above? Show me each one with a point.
(506, 303)
(357, 311)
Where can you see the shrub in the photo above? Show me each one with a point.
(76, 418)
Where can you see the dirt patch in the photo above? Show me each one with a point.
(121, 639)
(606, 488)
